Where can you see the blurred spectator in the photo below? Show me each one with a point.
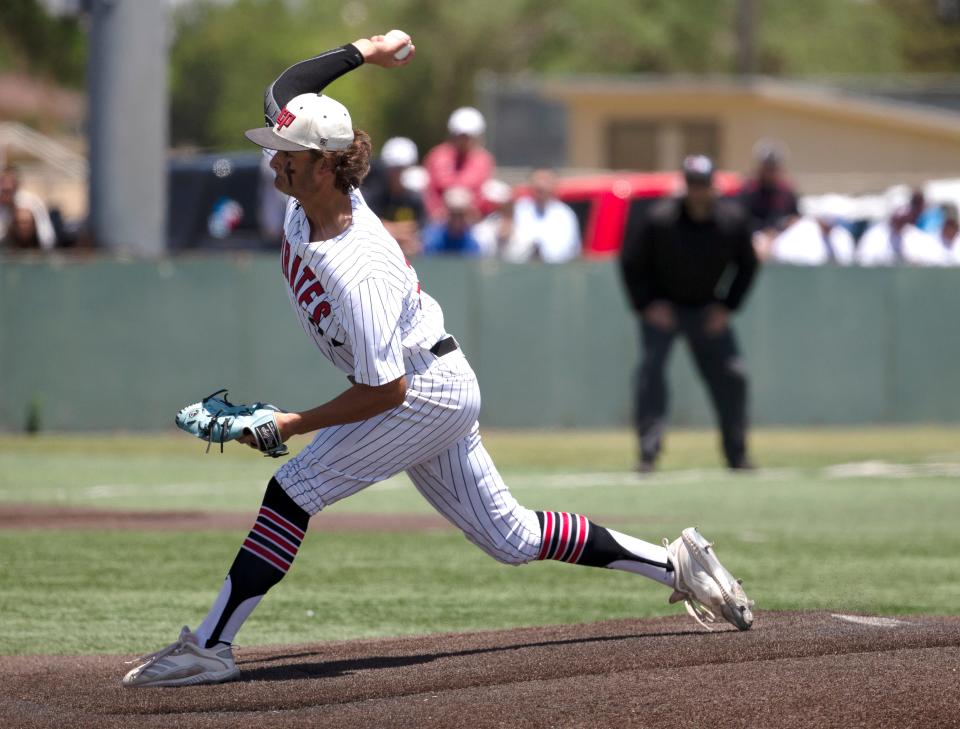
(929, 219)
(950, 233)
(454, 235)
(461, 161)
(686, 271)
(22, 231)
(916, 208)
(545, 228)
(495, 233)
(398, 207)
(768, 197)
(812, 241)
(898, 241)
(14, 198)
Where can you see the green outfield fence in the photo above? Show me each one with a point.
(102, 345)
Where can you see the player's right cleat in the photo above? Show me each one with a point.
(184, 663)
(704, 585)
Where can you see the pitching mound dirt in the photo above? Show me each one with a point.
(791, 670)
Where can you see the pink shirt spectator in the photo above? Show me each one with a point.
(448, 168)
(459, 162)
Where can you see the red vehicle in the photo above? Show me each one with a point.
(612, 205)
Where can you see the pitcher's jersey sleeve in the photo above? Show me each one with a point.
(371, 316)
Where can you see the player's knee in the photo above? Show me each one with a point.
(514, 559)
(503, 552)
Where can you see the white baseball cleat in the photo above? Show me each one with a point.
(705, 585)
(184, 663)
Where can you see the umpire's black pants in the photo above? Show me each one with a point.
(718, 360)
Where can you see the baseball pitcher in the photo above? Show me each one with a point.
(413, 400)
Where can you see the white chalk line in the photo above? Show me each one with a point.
(872, 621)
(888, 470)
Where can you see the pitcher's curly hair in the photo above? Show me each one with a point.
(352, 164)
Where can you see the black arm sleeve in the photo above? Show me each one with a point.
(635, 266)
(311, 75)
(746, 263)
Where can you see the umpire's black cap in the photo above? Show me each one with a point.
(698, 168)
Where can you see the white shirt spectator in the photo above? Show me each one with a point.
(552, 234)
(494, 235)
(41, 218)
(952, 253)
(805, 244)
(882, 246)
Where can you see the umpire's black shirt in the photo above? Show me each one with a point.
(689, 262)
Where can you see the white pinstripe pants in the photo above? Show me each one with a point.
(435, 438)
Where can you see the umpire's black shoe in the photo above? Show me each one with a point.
(646, 466)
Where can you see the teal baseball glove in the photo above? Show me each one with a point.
(217, 420)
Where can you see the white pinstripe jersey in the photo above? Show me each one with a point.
(357, 297)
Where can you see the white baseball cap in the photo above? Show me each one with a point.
(399, 152)
(466, 120)
(308, 121)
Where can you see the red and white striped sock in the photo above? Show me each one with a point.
(264, 558)
(575, 539)
(564, 535)
(274, 539)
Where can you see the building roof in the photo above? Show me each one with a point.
(887, 103)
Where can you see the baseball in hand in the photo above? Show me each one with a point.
(400, 35)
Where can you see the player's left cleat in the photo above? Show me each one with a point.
(184, 663)
(704, 585)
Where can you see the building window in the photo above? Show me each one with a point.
(650, 145)
(701, 137)
(632, 145)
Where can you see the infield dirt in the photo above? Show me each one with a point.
(791, 670)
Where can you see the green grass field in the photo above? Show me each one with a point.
(853, 520)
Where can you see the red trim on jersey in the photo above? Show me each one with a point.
(266, 555)
(292, 528)
(285, 257)
(581, 539)
(547, 534)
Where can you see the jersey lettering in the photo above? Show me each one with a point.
(313, 291)
(294, 270)
(337, 299)
(307, 275)
(322, 310)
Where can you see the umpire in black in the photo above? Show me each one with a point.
(686, 270)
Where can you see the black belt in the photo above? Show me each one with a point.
(444, 346)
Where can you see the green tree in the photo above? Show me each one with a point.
(827, 37)
(33, 42)
(224, 55)
(929, 42)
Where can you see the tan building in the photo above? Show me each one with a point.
(837, 141)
